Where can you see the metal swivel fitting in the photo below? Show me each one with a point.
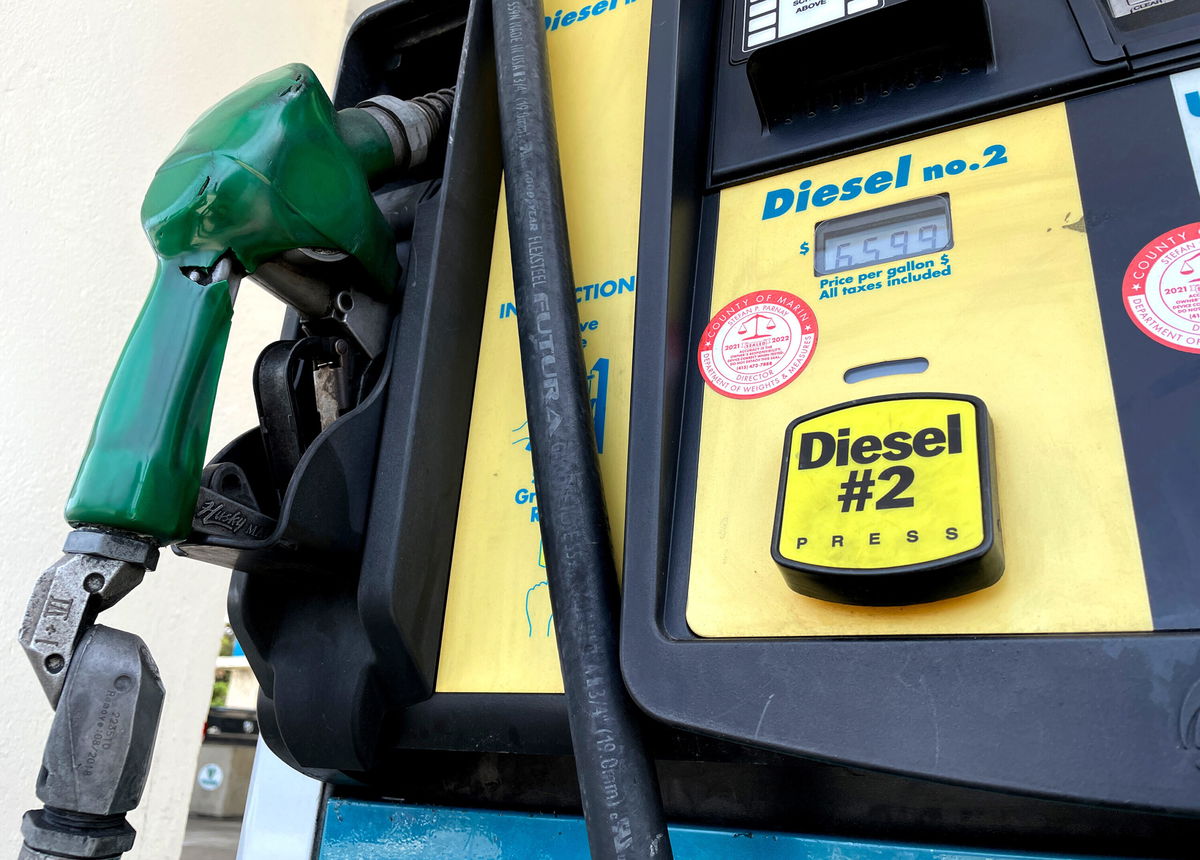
(412, 126)
(91, 778)
(107, 697)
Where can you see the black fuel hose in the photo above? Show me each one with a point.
(621, 803)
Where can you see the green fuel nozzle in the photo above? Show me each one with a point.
(269, 169)
(267, 181)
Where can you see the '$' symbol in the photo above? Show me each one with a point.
(804, 249)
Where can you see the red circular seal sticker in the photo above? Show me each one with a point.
(757, 344)
(1162, 289)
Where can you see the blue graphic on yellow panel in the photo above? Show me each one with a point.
(529, 613)
(598, 393)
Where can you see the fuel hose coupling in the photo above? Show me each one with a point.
(91, 778)
(415, 126)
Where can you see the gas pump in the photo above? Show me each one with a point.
(889, 320)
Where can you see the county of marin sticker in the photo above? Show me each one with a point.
(757, 344)
(1162, 289)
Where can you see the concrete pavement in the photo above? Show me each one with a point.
(211, 838)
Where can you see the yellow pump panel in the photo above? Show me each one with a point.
(1011, 317)
(498, 634)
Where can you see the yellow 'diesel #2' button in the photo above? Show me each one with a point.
(889, 501)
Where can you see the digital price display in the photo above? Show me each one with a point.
(910, 229)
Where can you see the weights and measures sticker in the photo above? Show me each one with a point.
(757, 344)
(1162, 289)
(889, 501)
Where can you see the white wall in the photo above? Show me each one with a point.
(93, 95)
(354, 8)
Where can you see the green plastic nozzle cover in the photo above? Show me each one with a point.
(270, 168)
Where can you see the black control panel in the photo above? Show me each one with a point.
(899, 68)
